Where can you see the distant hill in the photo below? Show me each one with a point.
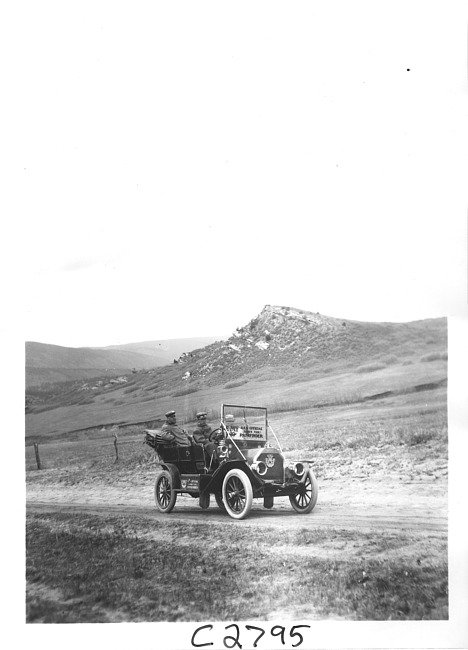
(55, 363)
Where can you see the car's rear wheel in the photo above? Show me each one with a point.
(304, 501)
(219, 500)
(237, 494)
(164, 494)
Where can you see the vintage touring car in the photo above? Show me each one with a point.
(247, 466)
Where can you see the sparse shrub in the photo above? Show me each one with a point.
(87, 400)
(185, 391)
(414, 436)
(267, 337)
(282, 406)
(371, 367)
(299, 376)
(267, 373)
(345, 397)
(253, 323)
(235, 383)
(390, 359)
(435, 356)
(130, 389)
(420, 436)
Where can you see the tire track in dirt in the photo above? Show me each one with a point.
(282, 517)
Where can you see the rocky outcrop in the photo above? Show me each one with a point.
(284, 336)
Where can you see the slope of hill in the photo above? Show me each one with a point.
(284, 359)
(54, 363)
(294, 338)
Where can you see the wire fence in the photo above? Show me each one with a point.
(55, 455)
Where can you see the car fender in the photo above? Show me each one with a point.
(307, 466)
(174, 472)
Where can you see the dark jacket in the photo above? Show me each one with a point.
(202, 433)
(172, 432)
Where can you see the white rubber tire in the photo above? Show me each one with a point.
(237, 494)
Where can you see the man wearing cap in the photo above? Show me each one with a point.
(171, 431)
(201, 435)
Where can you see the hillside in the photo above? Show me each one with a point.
(54, 363)
(284, 358)
(283, 336)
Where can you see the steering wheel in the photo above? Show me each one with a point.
(214, 435)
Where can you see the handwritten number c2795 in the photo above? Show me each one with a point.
(231, 642)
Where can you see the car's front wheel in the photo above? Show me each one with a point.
(304, 501)
(164, 493)
(237, 494)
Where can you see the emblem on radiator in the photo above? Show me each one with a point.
(270, 460)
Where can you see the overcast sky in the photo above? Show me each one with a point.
(177, 166)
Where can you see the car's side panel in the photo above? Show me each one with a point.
(190, 460)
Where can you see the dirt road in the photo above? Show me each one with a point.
(373, 505)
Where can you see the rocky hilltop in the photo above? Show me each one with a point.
(284, 336)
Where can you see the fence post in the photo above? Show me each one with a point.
(36, 451)
(116, 447)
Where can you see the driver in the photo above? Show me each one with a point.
(171, 431)
(202, 434)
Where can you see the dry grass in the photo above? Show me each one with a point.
(435, 356)
(89, 566)
(188, 390)
(371, 367)
(236, 383)
(274, 388)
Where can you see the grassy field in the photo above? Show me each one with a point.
(93, 569)
(403, 420)
(148, 397)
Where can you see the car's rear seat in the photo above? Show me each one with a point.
(154, 439)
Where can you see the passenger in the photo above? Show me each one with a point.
(201, 435)
(171, 432)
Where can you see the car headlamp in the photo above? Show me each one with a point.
(222, 449)
(297, 468)
(259, 467)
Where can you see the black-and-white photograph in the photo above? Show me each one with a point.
(243, 316)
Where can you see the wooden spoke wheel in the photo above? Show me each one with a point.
(304, 501)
